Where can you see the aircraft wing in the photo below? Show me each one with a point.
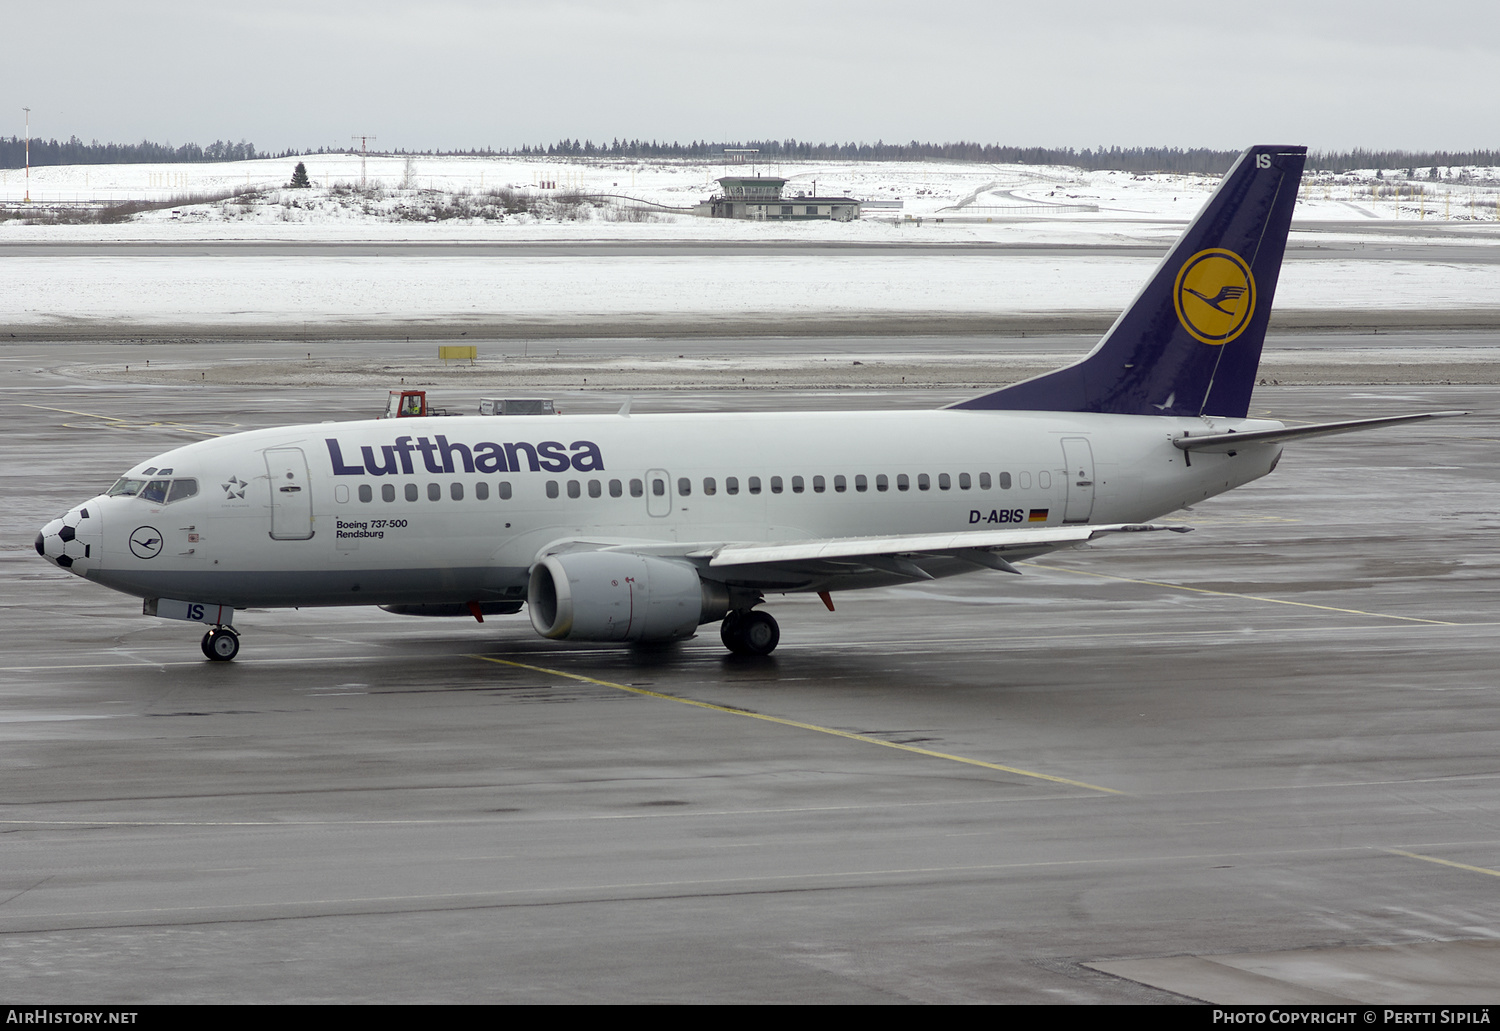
(978, 547)
(841, 563)
(812, 564)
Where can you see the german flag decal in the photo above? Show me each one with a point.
(1038, 515)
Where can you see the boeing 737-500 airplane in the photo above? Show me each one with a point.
(641, 528)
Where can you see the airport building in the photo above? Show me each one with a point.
(760, 197)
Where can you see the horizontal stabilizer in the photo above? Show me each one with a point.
(1224, 442)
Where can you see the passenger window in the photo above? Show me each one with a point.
(365, 493)
(776, 485)
(387, 492)
(481, 491)
(616, 489)
(731, 485)
(819, 485)
(861, 484)
(575, 489)
(684, 486)
(840, 485)
(1005, 481)
(596, 489)
(182, 489)
(411, 492)
(434, 492)
(882, 482)
(504, 490)
(340, 494)
(659, 487)
(709, 487)
(456, 491)
(637, 489)
(1044, 479)
(754, 485)
(551, 488)
(924, 482)
(984, 481)
(964, 483)
(797, 485)
(945, 482)
(903, 482)
(1023, 480)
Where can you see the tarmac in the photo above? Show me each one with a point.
(1255, 763)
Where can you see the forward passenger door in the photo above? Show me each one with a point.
(291, 494)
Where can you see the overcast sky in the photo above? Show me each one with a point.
(462, 73)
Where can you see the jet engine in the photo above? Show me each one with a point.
(617, 596)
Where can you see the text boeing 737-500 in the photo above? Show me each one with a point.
(641, 528)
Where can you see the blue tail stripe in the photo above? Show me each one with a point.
(1190, 342)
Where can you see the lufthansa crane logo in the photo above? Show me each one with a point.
(145, 542)
(1215, 295)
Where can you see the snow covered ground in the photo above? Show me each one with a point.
(114, 293)
(105, 292)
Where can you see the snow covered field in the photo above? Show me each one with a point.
(925, 189)
(111, 294)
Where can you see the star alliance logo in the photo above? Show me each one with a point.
(1215, 296)
(235, 488)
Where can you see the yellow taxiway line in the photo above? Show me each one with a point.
(847, 735)
(1247, 597)
(1444, 862)
(116, 422)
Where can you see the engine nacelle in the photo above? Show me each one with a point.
(616, 596)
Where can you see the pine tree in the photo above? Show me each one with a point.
(299, 177)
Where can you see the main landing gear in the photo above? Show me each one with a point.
(750, 633)
(221, 644)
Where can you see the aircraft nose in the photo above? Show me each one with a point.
(71, 541)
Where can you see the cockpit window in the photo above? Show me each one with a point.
(157, 492)
(126, 487)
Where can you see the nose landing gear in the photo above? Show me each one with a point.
(221, 644)
(750, 633)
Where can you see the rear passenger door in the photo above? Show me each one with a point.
(1079, 479)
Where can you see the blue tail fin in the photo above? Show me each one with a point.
(1190, 342)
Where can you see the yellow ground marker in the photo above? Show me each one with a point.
(800, 725)
(1248, 597)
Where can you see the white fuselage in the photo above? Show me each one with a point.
(453, 510)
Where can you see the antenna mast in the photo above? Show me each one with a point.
(364, 152)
